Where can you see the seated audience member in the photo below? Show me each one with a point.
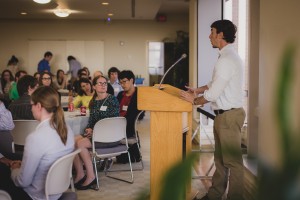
(85, 94)
(88, 72)
(110, 89)
(75, 87)
(21, 108)
(128, 109)
(61, 80)
(13, 92)
(6, 121)
(113, 74)
(46, 79)
(102, 105)
(7, 79)
(37, 76)
(6, 124)
(51, 140)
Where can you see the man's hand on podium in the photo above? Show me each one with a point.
(188, 95)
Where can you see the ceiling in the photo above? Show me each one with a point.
(93, 9)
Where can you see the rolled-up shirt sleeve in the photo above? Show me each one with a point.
(6, 121)
(221, 76)
(215, 89)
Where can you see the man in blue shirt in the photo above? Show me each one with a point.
(44, 64)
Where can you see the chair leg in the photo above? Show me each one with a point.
(96, 171)
(72, 184)
(131, 171)
(130, 167)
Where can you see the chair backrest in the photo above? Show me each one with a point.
(60, 174)
(6, 143)
(22, 129)
(136, 121)
(110, 130)
(4, 195)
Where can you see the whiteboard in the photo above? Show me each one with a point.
(88, 53)
(208, 12)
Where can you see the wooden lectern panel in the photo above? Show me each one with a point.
(165, 145)
(166, 126)
(153, 99)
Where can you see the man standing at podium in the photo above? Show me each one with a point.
(225, 92)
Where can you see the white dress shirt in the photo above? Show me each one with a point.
(226, 88)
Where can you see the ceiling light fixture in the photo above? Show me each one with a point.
(62, 12)
(42, 1)
(105, 3)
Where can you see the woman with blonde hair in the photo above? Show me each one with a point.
(51, 140)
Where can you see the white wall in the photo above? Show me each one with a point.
(279, 26)
(15, 37)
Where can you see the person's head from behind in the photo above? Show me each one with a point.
(97, 73)
(126, 79)
(46, 104)
(27, 85)
(222, 31)
(48, 55)
(45, 79)
(85, 86)
(113, 74)
(82, 74)
(13, 61)
(19, 75)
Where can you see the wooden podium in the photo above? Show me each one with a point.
(168, 116)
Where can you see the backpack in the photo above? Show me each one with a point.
(134, 152)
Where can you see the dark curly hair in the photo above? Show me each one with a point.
(228, 29)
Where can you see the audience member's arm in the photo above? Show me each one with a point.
(6, 121)
(5, 160)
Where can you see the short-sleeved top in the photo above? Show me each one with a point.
(105, 108)
(82, 101)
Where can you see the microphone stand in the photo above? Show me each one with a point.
(182, 57)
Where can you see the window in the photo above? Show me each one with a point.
(156, 58)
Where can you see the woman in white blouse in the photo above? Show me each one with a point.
(51, 140)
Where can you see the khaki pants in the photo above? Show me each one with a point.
(228, 156)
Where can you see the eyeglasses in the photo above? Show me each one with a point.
(46, 78)
(101, 83)
(123, 81)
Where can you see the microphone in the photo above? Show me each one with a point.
(182, 57)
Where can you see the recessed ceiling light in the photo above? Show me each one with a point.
(105, 3)
(42, 1)
(23, 13)
(62, 12)
(110, 14)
